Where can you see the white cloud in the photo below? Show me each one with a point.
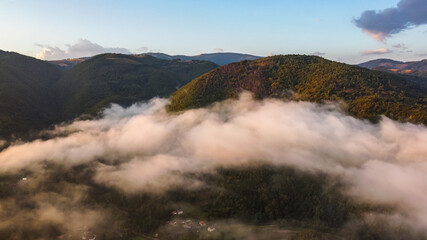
(82, 48)
(377, 51)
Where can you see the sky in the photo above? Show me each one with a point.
(350, 31)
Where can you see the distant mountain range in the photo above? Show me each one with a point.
(68, 63)
(415, 70)
(218, 58)
(396, 66)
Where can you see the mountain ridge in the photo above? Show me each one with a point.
(412, 70)
(222, 58)
(420, 65)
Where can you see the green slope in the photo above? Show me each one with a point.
(27, 97)
(35, 94)
(367, 93)
(124, 79)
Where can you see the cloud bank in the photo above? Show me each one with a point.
(383, 24)
(82, 48)
(145, 149)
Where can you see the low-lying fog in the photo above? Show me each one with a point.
(145, 149)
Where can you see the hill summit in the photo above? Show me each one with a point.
(367, 93)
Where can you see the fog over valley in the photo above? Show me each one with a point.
(144, 149)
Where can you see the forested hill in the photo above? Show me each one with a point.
(367, 93)
(124, 79)
(35, 94)
(27, 94)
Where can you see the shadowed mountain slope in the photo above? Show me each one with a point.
(124, 79)
(27, 94)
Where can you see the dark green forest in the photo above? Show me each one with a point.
(123, 79)
(27, 93)
(310, 206)
(35, 94)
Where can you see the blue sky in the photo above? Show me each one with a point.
(56, 29)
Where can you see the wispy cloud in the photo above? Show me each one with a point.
(143, 49)
(400, 46)
(383, 24)
(377, 51)
(82, 48)
(218, 50)
(317, 53)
